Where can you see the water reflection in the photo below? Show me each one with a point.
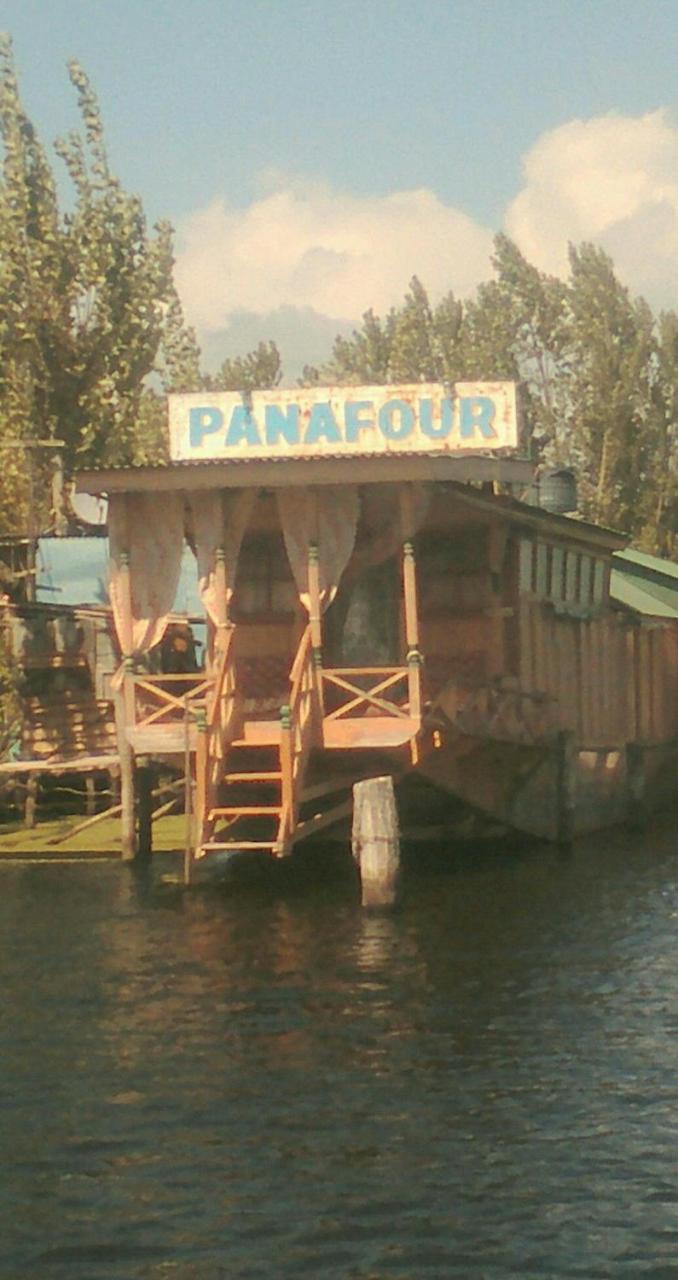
(251, 1084)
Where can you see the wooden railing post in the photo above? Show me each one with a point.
(410, 596)
(414, 659)
(315, 619)
(200, 771)
(286, 768)
(125, 596)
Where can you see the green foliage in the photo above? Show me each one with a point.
(87, 303)
(598, 376)
(88, 311)
(260, 370)
(10, 705)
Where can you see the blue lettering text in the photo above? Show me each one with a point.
(242, 427)
(202, 422)
(403, 413)
(476, 413)
(354, 423)
(322, 424)
(436, 430)
(282, 422)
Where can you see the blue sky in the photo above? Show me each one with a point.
(313, 155)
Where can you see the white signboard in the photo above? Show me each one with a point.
(343, 421)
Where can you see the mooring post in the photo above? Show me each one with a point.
(635, 786)
(145, 776)
(376, 841)
(566, 781)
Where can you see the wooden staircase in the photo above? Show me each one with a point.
(256, 788)
(248, 811)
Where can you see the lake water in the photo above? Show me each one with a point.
(265, 1082)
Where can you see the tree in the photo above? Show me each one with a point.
(259, 370)
(87, 298)
(612, 426)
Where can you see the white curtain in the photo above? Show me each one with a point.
(381, 527)
(328, 518)
(218, 519)
(149, 529)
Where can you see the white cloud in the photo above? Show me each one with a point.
(305, 245)
(303, 258)
(613, 180)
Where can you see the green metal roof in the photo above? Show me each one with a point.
(637, 584)
(640, 563)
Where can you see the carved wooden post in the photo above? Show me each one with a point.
(201, 780)
(221, 606)
(376, 841)
(286, 770)
(410, 601)
(315, 619)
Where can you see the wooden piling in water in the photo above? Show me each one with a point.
(566, 780)
(376, 840)
(635, 786)
(145, 777)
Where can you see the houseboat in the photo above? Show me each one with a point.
(379, 598)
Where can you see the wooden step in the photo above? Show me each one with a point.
(238, 844)
(252, 777)
(244, 811)
(259, 733)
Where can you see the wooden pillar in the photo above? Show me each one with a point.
(410, 603)
(189, 820)
(145, 776)
(286, 771)
(221, 607)
(566, 758)
(376, 841)
(315, 619)
(31, 801)
(635, 786)
(127, 824)
(90, 795)
(201, 780)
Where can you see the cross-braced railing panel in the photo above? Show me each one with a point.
(362, 688)
(162, 700)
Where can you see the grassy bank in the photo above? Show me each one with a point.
(102, 839)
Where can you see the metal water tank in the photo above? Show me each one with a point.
(558, 491)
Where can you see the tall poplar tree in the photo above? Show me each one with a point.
(87, 302)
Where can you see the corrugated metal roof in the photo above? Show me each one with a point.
(643, 596)
(652, 564)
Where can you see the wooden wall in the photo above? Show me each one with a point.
(614, 681)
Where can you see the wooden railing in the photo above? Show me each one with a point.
(222, 723)
(362, 689)
(300, 731)
(156, 701)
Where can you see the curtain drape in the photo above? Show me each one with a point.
(327, 518)
(218, 520)
(149, 529)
